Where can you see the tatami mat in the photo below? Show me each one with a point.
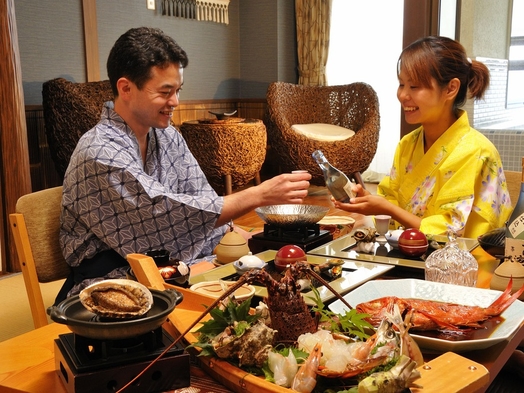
(15, 314)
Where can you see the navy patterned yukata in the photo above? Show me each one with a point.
(112, 201)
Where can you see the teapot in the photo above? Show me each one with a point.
(504, 272)
(231, 247)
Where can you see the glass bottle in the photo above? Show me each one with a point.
(337, 182)
(514, 245)
(451, 265)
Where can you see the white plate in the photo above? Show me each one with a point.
(215, 289)
(420, 289)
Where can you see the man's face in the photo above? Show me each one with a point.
(153, 105)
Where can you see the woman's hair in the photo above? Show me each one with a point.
(443, 59)
(137, 51)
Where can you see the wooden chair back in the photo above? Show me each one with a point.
(513, 179)
(35, 227)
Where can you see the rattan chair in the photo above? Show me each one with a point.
(354, 106)
(70, 110)
(230, 152)
(35, 227)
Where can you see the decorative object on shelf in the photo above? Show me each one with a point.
(451, 265)
(204, 10)
(223, 115)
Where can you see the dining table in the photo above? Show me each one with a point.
(27, 362)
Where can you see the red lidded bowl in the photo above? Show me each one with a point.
(288, 255)
(412, 242)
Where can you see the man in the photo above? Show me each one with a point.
(132, 185)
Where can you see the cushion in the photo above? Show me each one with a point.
(323, 132)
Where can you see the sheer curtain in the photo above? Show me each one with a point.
(365, 42)
(313, 27)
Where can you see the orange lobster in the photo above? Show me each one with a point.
(434, 315)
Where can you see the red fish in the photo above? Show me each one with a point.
(435, 315)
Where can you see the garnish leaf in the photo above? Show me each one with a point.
(352, 322)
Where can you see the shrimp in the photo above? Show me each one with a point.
(306, 377)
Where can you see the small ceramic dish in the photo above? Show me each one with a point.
(248, 262)
(392, 237)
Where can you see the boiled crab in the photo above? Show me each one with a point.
(117, 299)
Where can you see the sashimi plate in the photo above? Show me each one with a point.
(513, 316)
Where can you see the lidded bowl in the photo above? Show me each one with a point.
(412, 242)
(289, 255)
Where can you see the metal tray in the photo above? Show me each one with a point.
(355, 274)
(344, 247)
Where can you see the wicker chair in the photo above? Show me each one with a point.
(354, 106)
(71, 109)
(230, 152)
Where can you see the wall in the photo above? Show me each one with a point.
(238, 60)
(484, 32)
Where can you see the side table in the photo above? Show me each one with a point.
(230, 151)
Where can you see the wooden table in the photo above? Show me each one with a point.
(27, 361)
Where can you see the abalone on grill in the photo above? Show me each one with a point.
(117, 299)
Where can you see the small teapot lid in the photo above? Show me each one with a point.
(232, 238)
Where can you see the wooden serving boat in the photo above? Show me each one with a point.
(447, 372)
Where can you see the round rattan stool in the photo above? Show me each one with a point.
(230, 151)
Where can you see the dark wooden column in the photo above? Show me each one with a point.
(421, 18)
(15, 177)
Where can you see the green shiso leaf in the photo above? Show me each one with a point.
(352, 322)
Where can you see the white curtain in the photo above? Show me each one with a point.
(359, 51)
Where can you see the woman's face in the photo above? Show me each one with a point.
(420, 104)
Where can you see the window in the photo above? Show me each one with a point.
(360, 50)
(515, 94)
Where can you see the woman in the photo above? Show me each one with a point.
(445, 175)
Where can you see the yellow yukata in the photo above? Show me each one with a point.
(458, 184)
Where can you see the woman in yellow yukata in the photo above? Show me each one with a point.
(445, 174)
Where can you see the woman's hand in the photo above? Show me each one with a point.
(369, 204)
(365, 203)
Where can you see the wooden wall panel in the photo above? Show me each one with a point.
(14, 162)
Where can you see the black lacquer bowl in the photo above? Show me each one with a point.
(493, 242)
(81, 321)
